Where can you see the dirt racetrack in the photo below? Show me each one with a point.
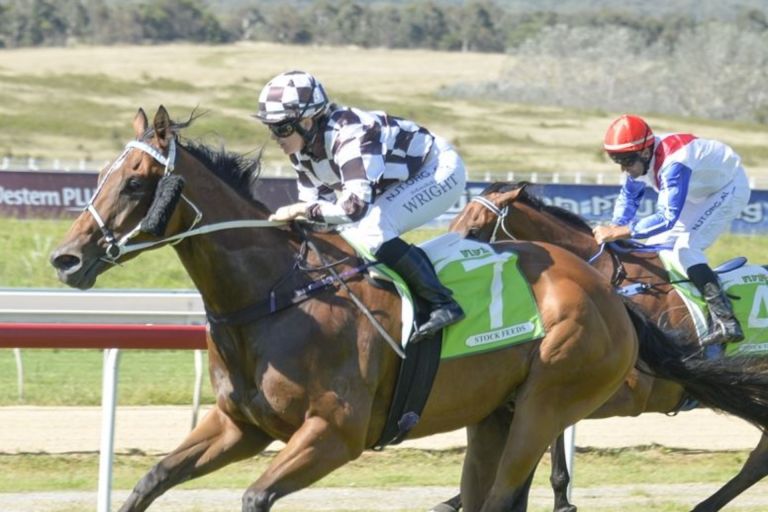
(624, 498)
(159, 429)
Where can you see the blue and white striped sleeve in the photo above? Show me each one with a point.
(673, 189)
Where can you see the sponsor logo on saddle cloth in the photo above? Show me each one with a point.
(496, 298)
(747, 287)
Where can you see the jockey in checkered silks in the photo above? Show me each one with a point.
(374, 175)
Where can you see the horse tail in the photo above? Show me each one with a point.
(735, 385)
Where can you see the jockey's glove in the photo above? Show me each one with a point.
(290, 212)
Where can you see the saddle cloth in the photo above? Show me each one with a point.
(487, 283)
(747, 286)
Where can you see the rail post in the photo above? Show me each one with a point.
(107, 444)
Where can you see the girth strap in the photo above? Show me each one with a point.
(414, 384)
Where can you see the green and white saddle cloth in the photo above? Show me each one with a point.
(496, 298)
(747, 287)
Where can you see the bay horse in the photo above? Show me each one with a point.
(505, 211)
(316, 374)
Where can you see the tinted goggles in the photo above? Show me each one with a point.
(283, 130)
(625, 159)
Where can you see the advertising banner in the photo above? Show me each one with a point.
(51, 194)
(44, 194)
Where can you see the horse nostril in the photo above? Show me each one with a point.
(65, 262)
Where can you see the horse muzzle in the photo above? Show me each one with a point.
(74, 270)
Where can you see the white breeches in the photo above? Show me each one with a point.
(701, 223)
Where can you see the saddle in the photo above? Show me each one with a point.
(500, 311)
(746, 284)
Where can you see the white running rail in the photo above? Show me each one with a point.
(144, 307)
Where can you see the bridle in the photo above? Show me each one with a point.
(501, 216)
(117, 248)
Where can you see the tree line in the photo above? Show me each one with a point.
(713, 70)
(471, 25)
(603, 58)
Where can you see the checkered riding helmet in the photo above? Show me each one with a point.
(291, 95)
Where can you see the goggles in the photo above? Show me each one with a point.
(284, 129)
(625, 159)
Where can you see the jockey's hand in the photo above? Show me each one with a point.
(610, 233)
(290, 212)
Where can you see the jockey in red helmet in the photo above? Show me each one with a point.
(702, 188)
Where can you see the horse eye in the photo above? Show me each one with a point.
(134, 185)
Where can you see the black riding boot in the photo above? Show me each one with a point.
(416, 270)
(725, 327)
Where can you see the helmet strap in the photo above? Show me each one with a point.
(309, 135)
(647, 161)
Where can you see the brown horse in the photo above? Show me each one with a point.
(316, 374)
(506, 210)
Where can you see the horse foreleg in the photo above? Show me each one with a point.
(214, 443)
(753, 471)
(485, 442)
(509, 492)
(559, 477)
(313, 451)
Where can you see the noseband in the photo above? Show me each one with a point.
(114, 246)
(501, 216)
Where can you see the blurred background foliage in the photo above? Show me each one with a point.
(694, 58)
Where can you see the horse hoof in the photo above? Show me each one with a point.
(257, 501)
(443, 507)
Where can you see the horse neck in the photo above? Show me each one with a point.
(646, 266)
(233, 268)
(529, 223)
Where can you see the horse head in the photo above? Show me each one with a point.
(505, 211)
(487, 213)
(124, 195)
(141, 201)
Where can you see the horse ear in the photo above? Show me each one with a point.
(511, 196)
(140, 123)
(163, 127)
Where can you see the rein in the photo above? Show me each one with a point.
(501, 216)
(276, 303)
(118, 248)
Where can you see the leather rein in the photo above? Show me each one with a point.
(619, 272)
(116, 248)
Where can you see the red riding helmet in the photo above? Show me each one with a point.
(627, 134)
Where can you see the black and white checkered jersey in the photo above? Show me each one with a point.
(357, 152)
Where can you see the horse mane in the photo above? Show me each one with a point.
(238, 171)
(533, 201)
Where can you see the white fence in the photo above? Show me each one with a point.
(107, 320)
